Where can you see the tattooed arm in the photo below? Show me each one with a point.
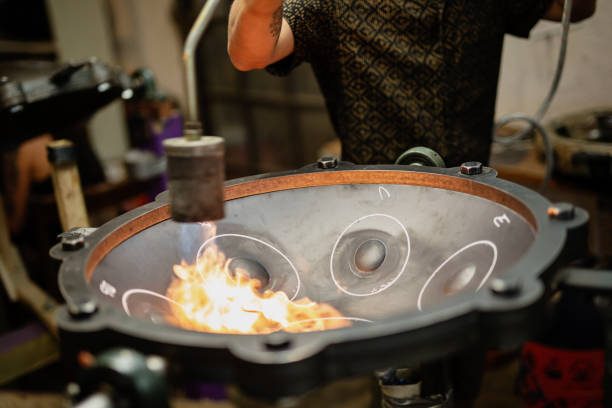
(257, 34)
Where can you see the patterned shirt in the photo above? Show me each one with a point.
(402, 73)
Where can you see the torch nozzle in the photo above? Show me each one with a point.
(195, 175)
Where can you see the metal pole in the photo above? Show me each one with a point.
(195, 34)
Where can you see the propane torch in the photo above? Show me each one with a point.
(195, 162)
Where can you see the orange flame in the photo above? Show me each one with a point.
(210, 298)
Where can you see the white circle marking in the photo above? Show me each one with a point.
(261, 242)
(384, 286)
(483, 242)
(131, 292)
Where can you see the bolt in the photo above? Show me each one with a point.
(505, 288)
(127, 94)
(16, 108)
(83, 309)
(156, 363)
(471, 168)
(327, 163)
(277, 341)
(73, 389)
(74, 238)
(73, 242)
(562, 211)
(103, 87)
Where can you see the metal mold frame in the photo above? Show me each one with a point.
(489, 318)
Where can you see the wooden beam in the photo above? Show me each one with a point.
(67, 185)
(18, 285)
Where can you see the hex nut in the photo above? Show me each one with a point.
(83, 309)
(327, 163)
(502, 287)
(74, 238)
(156, 363)
(73, 243)
(471, 168)
(562, 211)
(277, 341)
(73, 389)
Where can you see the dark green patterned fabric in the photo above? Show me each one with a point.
(397, 74)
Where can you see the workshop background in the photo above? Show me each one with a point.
(255, 110)
(269, 123)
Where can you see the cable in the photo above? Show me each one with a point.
(548, 151)
(534, 121)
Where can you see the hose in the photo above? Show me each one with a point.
(548, 150)
(534, 121)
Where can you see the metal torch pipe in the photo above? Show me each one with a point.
(565, 21)
(195, 34)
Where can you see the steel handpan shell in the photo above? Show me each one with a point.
(462, 320)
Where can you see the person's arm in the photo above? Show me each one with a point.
(258, 35)
(581, 9)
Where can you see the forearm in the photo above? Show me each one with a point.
(581, 9)
(253, 32)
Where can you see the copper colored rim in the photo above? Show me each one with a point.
(304, 180)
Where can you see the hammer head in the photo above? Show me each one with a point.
(195, 178)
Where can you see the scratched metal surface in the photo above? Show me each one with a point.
(436, 242)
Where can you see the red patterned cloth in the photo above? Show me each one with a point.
(402, 73)
(553, 377)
